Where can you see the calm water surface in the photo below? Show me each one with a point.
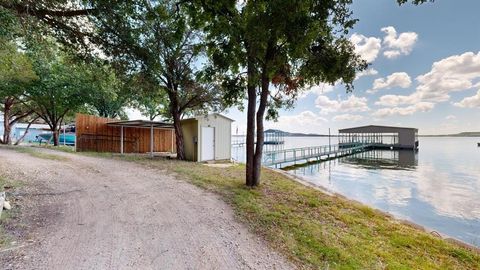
(437, 187)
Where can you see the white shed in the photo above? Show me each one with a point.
(207, 137)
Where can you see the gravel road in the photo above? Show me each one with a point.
(110, 214)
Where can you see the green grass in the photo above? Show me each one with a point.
(62, 148)
(7, 184)
(32, 151)
(319, 231)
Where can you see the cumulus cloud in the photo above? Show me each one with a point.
(404, 111)
(368, 72)
(306, 121)
(395, 100)
(351, 104)
(398, 44)
(348, 117)
(452, 74)
(469, 102)
(367, 47)
(397, 79)
(317, 90)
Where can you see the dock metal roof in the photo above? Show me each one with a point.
(141, 124)
(375, 129)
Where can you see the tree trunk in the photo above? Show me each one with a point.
(7, 127)
(257, 162)
(56, 136)
(178, 136)
(250, 140)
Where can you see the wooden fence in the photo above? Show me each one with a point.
(93, 134)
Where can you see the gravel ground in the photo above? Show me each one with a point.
(92, 213)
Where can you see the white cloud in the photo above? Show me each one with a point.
(395, 100)
(368, 72)
(450, 117)
(317, 90)
(469, 102)
(452, 74)
(367, 47)
(348, 117)
(306, 121)
(351, 104)
(398, 44)
(404, 111)
(397, 79)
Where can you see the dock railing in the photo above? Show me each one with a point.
(306, 153)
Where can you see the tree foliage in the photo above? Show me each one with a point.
(110, 94)
(63, 85)
(16, 74)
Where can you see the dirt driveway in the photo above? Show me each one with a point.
(110, 214)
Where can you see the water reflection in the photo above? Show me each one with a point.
(436, 187)
(381, 159)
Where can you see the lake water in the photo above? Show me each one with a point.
(437, 187)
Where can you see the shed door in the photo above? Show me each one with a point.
(208, 143)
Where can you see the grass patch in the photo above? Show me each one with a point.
(32, 151)
(317, 230)
(8, 185)
(62, 148)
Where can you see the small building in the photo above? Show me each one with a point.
(19, 129)
(32, 134)
(380, 137)
(99, 134)
(207, 137)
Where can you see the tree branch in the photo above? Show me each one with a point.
(40, 12)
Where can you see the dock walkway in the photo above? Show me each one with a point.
(306, 154)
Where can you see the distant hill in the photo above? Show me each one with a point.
(461, 134)
(296, 134)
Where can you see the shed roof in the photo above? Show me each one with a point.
(141, 124)
(375, 129)
(212, 114)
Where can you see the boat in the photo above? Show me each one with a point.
(64, 138)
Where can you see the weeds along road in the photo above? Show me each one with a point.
(108, 214)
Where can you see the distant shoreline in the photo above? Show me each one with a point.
(336, 135)
(300, 134)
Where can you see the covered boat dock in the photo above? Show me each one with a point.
(379, 137)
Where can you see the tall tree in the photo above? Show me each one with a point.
(154, 39)
(63, 85)
(16, 74)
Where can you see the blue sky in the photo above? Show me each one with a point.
(425, 73)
